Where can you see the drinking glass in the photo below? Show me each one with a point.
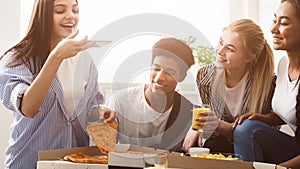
(156, 161)
(197, 110)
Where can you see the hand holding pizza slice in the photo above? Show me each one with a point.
(104, 136)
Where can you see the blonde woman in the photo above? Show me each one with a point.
(240, 81)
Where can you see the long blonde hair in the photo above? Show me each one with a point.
(262, 66)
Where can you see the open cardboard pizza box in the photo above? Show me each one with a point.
(52, 159)
(176, 161)
(195, 163)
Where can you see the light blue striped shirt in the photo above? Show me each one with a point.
(49, 129)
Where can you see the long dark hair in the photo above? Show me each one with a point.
(296, 5)
(34, 48)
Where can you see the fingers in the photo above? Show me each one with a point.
(250, 116)
(255, 116)
(79, 43)
(235, 123)
(186, 145)
(238, 121)
(110, 116)
(84, 40)
(107, 114)
(207, 117)
(73, 34)
(190, 139)
(69, 47)
(200, 144)
(89, 44)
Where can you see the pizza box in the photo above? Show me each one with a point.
(53, 159)
(176, 161)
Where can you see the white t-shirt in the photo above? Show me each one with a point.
(284, 99)
(234, 97)
(139, 123)
(73, 76)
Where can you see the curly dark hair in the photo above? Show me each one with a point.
(296, 4)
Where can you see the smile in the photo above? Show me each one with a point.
(221, 59)
(156, 85)
(70, 25)
(276, 40)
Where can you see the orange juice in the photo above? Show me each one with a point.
(196, 114)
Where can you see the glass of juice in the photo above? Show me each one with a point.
(197, 110)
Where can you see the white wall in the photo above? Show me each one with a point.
(10, 21)
(9, 33)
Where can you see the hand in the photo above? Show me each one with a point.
(210, 123)
(191, 137)
(69, 46)
(107, 114)
(250, 116)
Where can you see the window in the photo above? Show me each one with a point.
(200, 14)
(209, 17)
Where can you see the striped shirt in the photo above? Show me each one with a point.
(50, 128)
(205, 78)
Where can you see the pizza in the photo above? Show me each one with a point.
(83, 158)
(104, 136)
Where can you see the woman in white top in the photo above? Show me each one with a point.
(255, 138)
(240, 81)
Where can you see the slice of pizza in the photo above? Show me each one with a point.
(83, 158)
(104, 136)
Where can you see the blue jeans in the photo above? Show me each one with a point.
(258, 141)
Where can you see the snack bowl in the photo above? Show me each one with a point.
(198, 151)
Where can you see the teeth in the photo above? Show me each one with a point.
(158, 85)
(221, 59)
(276, 39)
(68, 24)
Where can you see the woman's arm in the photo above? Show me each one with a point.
(191, 139)
(271, 118)
(36, 93)
(225, 129)
(292, 163)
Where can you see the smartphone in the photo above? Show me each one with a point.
(96, 43)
